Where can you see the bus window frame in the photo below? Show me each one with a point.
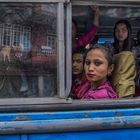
(119, 3)
(111, 103)
(61, 77)
(64, 103)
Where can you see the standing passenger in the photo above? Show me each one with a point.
(125, 72)
(88, 36)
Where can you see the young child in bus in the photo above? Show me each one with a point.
(78, 76)
(123, 77)
(98, 66)
(87, 37)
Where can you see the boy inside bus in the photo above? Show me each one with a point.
(78, 76)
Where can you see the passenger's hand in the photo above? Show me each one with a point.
(96, 9)
(96, 14)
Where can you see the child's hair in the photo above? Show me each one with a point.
(106, 51)
(127, 46)
(75, 22)
(79, 50)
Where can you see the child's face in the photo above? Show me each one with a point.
(121, 32)
(77, 63)
(96, 66)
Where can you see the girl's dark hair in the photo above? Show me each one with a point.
(106, 51)
(79, 50)
(127, 46)
(75, 22)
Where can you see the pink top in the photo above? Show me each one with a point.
(104, 91)
(77, 82)
(86, 38)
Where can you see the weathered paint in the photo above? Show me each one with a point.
(69, 114)
(10, 137)
(88, 120)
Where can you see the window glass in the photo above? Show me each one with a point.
(28, 50)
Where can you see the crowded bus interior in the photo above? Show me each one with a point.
(69, 69)
(109, 15)
(37, 46)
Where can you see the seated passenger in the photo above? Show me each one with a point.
(123, 77)
(78, 76)
(98, 66)
(87, 37)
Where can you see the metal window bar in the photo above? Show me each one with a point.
(36, 1)
(68, 49)
(60, 51)
(122, 3)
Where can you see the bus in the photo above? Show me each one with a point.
(35, 72)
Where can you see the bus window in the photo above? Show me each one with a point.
(109, 15)
(30, 40)
(28, 50)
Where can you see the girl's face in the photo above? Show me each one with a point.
(77, 63)
(121, 32)
(96, 67)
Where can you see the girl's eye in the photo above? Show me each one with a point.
(124, 30)
(87, 62)
(97, 62)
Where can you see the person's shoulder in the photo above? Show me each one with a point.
(105, 86)
(110, 90)
(124, 54)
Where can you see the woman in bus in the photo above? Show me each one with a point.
(98, 67)
(124, 74)
(88, 36)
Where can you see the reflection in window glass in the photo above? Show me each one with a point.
(28, 50)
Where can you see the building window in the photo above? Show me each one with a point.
(15, 35)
